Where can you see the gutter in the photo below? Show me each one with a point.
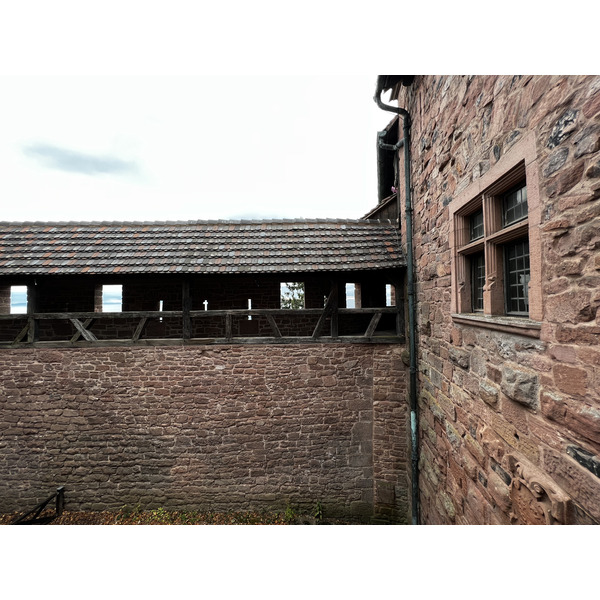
(382, 84)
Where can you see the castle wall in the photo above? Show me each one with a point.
(222, 428)
(501, 409)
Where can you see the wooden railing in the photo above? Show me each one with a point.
(81, 332)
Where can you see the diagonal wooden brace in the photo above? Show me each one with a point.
(81, 328)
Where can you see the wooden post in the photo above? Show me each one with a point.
(32, 307)
(334, 309)
(330, 307)
(399, 299)
(228, 326)
(186, 296)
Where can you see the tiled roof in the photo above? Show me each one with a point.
(200, 247)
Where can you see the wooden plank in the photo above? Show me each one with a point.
(320, 324)
(87, 335)
(329, 307)
(273, 325)
(391, 339)
(193, 313)
(22, 333)
(373, 325)
(258, 312)
(77, 334)
(139, 329)
(368, 311)
(134, 314)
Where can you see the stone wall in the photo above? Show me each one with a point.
(221, 428)
(509, 424)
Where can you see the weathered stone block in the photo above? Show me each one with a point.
(556, 160)
(488, 393)
(520, 386)
(563, 128)
(475, 449)
(459, 357)
(587, 141)
(585, 458)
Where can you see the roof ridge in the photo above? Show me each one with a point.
(357, 221)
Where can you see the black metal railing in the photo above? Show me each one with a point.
(27, 519)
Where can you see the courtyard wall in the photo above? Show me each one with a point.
(221, 428)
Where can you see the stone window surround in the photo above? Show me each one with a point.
(519, 161)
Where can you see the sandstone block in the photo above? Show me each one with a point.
(459, 357)
(520, 386)
(576, 480)
(570, 380)
(488, 393)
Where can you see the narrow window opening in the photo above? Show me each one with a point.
(514, 205)
(390, 294)
(477, 281)
(476, 226)
(112, 298)
(292, 295)
(516, 265)
(205, 303)
(18, 299)
(160, 308)
(350, 295)
(249, 308)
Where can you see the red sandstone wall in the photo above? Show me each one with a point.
(491, 401)
(222, 428)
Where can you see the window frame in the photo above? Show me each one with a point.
(508, 297)
(487, 193)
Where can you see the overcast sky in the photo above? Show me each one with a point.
(192, 110)
(196, 147)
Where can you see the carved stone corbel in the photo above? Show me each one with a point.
(536, 499)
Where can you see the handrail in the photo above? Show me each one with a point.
(60, 504)
(154, 314)
(83, 322)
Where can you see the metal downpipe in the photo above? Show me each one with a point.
(410, 284)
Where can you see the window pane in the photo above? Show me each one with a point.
(477, 281)
(18, 299)
(514, 205)
(476, 226)
(350, 295)
(112, 298)
(292, 294)
(517, 277)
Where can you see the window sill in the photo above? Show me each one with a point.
(514, 325)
